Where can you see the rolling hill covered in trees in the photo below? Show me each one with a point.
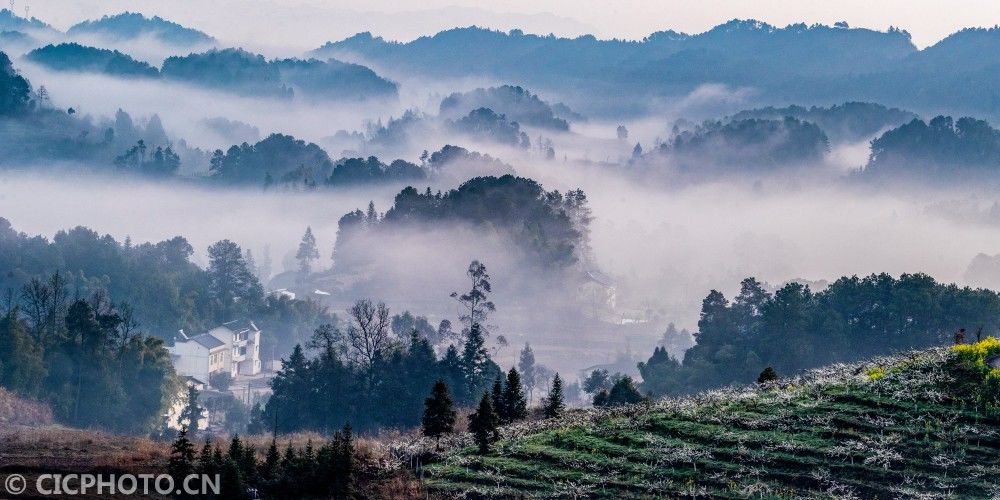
(76, 57)
(795, 328)
(798, 62)
(133, 25)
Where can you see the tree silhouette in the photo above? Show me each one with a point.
(439, 415)
(554, 405)
(483, 425)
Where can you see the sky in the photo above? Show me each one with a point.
(307, 23)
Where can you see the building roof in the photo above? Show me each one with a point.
(209, 341)
(241, 325)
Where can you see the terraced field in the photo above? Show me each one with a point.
(914, 426)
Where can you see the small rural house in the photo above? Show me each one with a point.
(233, 347)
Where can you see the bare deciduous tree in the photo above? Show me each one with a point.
(369, 333)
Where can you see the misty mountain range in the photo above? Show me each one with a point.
(124, 26)
(795, 64)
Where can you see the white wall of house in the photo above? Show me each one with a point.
(239, 354)
(192, 359)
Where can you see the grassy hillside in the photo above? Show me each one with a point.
(921, 425)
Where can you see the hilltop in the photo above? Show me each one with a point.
(916, 425)
(132, 25)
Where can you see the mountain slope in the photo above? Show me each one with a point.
(132, 25)
(907, 426)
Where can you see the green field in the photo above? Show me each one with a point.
(913, 426)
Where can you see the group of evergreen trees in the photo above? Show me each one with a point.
(160, 162)
(505, 404)
(936, 149)
(278, 158)
(748, 142)
(551, 227)
(366, 374)
(795, 328)
(326, 472)
(85, 358)
(390, 370)
(164, 289)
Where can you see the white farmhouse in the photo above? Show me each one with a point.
(232, 347)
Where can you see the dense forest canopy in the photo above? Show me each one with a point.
(334, 79)
(549, 226)
(243, 72)
(167, 291)
(748, 143)
(9, 21)
(486, 125)
(936, 149)
(278, 158)
(85, 358)
(782, 61)
(231, 69)
(795, 328)
(76, 57)
(15, 91)
(371, 170)
(132, 25)
(851, 121)
(517, 103)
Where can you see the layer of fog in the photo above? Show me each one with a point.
(665, 244)
(183, 108)
(150, 211)
(665, 247)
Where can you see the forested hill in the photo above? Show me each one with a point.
(158, 281)
(132, 25)
(798, 62)
(921, 425)
(795, 328)
(520, 55)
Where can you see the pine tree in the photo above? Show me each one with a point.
(269, 469)
(496, 399)
(248, 463)
(307, 252)
(235, 449)
(371, 216)
(554, 405)
(767, 375)
(439, 415)
(232, 285)
(230, 482)
(307, 464)
(342, 484)
(191, 413)
(205, 463)
(483, 425)
(217, 458)
(288, 460)
(475, 360)
(181, 462)
(526, 364)
(515, 404)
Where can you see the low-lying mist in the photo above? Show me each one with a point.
(665, 247)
